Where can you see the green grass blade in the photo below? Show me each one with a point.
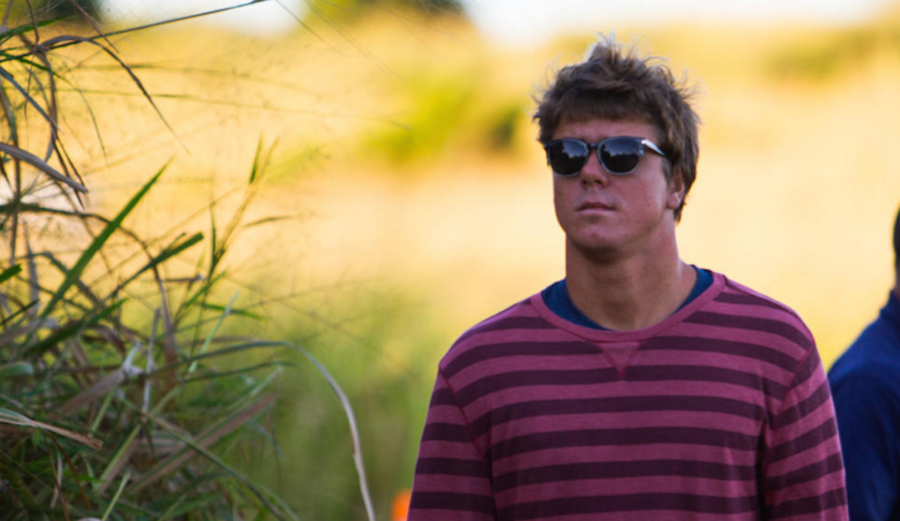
(23, 60)
(239, 312)
(172, 250)
(11, 475)
(214, 241)
(235, 372)
(16, 369)
(202, 291)
(36, 350)
(212, 333)
(219, 352)
(118, 460)
(265, 497)
(11, 79)
(168, 252)
(97, 244)
(174, 510)
(10, 319)
(211, 435)
(115, 498)
(27, 28)
(254, 170)
(9, 273)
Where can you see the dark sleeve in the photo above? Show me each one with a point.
(869, 424)
(453, 479)
(803, 477)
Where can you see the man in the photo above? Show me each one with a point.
(639, 387)
(866, 386)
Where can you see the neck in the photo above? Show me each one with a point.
(628, 292)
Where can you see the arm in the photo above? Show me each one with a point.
(453, 479)
(869, 423)
(803, 477)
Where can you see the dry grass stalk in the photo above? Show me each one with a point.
(13, 418)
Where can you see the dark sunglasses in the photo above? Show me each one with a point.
(618, 155)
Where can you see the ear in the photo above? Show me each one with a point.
(676, 190)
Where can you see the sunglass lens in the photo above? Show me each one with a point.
(620, 155)
(566, 157)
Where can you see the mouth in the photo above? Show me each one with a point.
(593, 205)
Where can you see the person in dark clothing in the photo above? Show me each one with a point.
(865, 382)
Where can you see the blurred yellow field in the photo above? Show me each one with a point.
(796, 191)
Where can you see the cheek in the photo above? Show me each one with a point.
(560, 204)
(562, 193)
(655, 192)
(558, 195)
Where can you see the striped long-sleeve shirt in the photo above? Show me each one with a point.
(720, 412)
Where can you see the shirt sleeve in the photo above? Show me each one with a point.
(869, 422)
(803, 474)
(453, 478)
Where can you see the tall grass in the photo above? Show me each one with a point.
(117, 402)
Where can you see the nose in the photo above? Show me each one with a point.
(593, 172)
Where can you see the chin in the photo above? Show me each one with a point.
(591, 236)
(594, 246)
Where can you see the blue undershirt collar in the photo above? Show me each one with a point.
(556, 297)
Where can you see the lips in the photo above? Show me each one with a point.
(593, 205)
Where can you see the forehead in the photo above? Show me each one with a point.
(598, 129)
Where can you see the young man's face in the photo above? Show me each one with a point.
(605, 213)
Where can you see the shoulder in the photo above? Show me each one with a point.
(519, 320)
(520, 315)
(873, 358)
(744, 309)
(736, 293)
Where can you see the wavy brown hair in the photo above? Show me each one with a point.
(615, 83)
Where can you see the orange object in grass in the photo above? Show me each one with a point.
(400, 506)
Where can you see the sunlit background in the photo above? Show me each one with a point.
(407, 199)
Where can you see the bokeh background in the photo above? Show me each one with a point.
(406, 198)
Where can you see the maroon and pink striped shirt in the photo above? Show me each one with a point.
(720, 412)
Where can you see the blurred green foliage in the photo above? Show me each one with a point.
(837, 52)
(437, 108)
(447, 115)
(353, 9)
(43, 9)
(382, 354)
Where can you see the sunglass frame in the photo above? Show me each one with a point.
(639, 142)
